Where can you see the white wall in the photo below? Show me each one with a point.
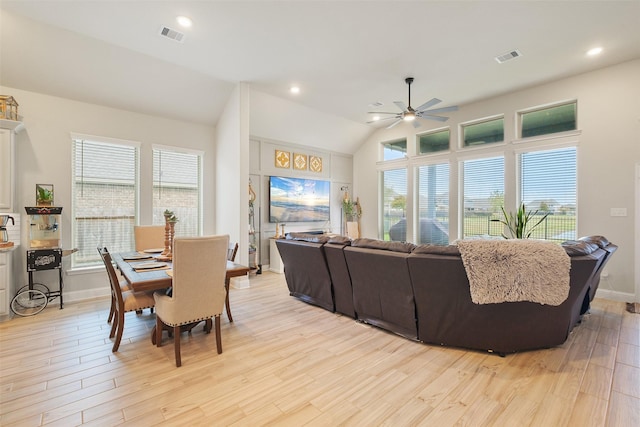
(609, 148)
(232, 171)
(44, 157)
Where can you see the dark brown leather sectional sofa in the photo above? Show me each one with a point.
(422, 292)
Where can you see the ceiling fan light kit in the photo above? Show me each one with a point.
(409, 114)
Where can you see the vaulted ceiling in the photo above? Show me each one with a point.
(344, 55)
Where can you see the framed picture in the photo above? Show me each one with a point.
(283, 159)
(300, 161)
(315, 163)
(44, 194)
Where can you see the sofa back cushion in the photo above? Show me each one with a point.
(383, 245)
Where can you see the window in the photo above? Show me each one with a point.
(177, 187)
(433, 204)
(548, 184)
(559, 118)
(434, 142)
(104, 198)
(485, 132)
(393, 150)
(394, 204)
(483, 182)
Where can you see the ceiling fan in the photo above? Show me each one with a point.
(409, 114)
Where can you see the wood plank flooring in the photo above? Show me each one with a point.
(292, 364)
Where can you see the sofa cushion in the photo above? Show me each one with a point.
(601, 241)
(579, 247)
(340, 240)
(383, 245)
(436, 250)
(308, 237)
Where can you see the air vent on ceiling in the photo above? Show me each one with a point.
(508, 56)
(172, 34)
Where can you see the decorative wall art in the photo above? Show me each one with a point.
(283, 159)
(315, 164)
(300, 161)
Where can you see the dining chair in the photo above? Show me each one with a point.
(199, 270)
(125, 301)
(148, 237)
(232, 251)
(124, 286)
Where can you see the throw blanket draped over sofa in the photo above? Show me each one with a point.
(516, 270)
(423, 292)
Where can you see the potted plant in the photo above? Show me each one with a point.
(519, 224)
(44, 196)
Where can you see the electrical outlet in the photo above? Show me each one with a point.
(605, 273)
(618, 211)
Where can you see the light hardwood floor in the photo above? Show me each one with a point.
(289, 363)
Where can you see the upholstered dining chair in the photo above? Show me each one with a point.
(125, 301)
(199, 270)
(148, 237)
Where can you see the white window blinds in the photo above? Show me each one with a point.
(104, 198)
(433, 204)
(548, 184)
(177, 187)
(483, 196)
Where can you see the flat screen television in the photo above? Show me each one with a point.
(298, 199)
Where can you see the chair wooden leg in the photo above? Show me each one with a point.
(112, 311)
(218, 336)
(226, 300)
(120, 320)
(176, 340)
(114, 325)
(207, 326)
(158, 331)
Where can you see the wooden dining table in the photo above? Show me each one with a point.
(158, 279)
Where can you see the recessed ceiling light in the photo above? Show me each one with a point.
(184, 21)
(594, 51)
(375, 118)
(295, 90)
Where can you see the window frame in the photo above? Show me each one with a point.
(433, 132)
(462, 126)
(76, 137)
(519, 114)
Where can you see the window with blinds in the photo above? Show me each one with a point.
(433, 204)
(394, 204)
(104, 198)
(548, 185)
(177, 186)
(483, 182)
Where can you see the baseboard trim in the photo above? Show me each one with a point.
(241, 282)
(75, 296)
(615, 295)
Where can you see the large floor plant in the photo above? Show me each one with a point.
(521, 224)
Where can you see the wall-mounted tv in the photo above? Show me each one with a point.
(298, 199)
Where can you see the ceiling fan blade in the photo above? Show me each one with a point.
(440, 110)
(394, 123)
(428, 104)
(400, 105)
(430, 117)
(386, 118)
(381, 112)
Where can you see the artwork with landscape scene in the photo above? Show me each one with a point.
(298, 199)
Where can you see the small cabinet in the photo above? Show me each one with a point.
(6, 284)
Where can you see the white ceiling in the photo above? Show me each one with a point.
(344, 55)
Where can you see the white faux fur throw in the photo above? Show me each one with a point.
(516, 270)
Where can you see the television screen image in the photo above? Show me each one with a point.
(298, 199)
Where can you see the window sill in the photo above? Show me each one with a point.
(84, 270)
